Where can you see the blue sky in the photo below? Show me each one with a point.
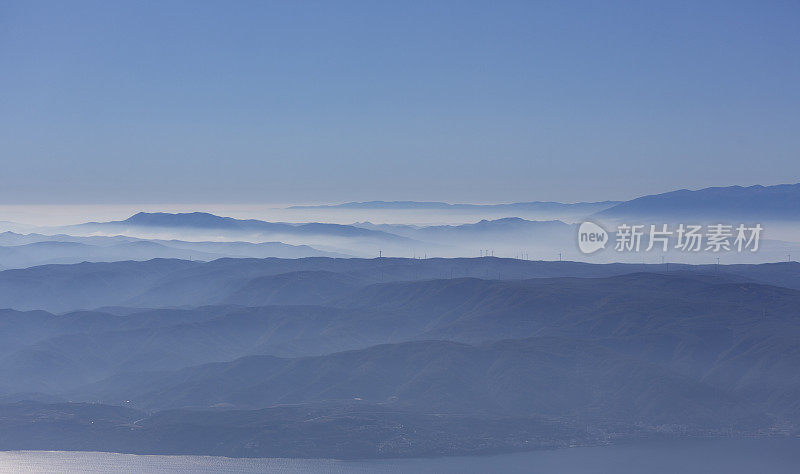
(275, 102)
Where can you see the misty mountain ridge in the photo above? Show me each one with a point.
(506, 235)
(775, 202)
(170, 282)
(204, 220)
(333, 239)
(26, 250)
(532, 205)
(751, 203)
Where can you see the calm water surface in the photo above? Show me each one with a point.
(695, 456)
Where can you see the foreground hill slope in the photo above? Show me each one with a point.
(424, 356)
(548, 377)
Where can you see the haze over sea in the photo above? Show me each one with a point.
(732, 456)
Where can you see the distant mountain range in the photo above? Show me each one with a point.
(201, 226)
(779, 202)
(750, 204)
(168, 234)
(204, 220)
(588, 207)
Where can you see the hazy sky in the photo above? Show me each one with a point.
(301, 101)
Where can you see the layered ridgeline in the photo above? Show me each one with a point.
(207, 237)
(203, 226)
(26, 250)
(778, 203)
(508, 230)
(255, 282)
(392, 357)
